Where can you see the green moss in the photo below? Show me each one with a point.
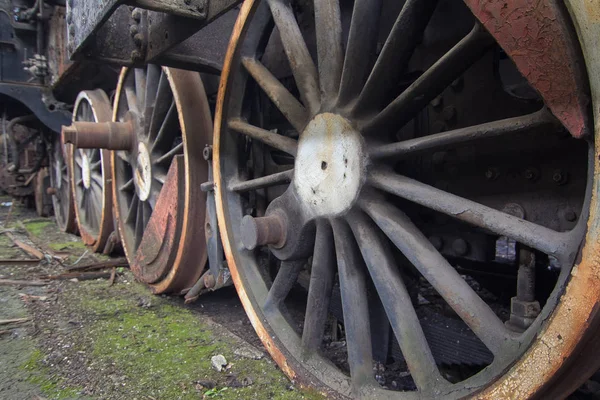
(164, 350)
(67, 246)
(40, 375)
(37, 227)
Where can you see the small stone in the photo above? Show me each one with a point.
(248, 352)
(218, 362)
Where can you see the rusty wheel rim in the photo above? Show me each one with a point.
(174, 104)
(347, 225)
(91, 175)
(60, 179)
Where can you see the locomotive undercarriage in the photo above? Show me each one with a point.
(402, 193)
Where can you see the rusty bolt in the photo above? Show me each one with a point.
(560, 177)
(209, 281)
(262, 231)
(207, 153)
(51, 191)
(460, 247)
(531, 174)
(515, 210)
(136, 14)
(437, 102)
(138, 39)
(133, 30)
(570, 216)
(136, 55)
(491, 174)
(449, 114)
(437, 242)
(458, 84)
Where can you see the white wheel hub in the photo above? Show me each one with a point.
(86, 170)
(143, 173)
(330, 165)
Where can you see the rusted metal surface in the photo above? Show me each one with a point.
(158, 248)
(542, 44)
(64, 207)
(57, 54)
(565, 353)
(93, 233)
(261, 231)
(180, 204)
(99, 135)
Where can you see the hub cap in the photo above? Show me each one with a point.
(86, 171)
(143, 173)
(330, 165)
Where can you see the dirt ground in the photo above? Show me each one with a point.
(93, 340)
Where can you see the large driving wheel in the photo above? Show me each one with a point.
(60, 179)
(419, 188)
(91, 175)
(159, 206)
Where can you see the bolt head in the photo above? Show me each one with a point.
(460, 247)
(570, 216)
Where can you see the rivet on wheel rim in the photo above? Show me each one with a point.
(410, 170)
(159, 206)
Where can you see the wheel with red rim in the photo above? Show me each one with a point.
(91, 175)
(420, 190)
(159, 206)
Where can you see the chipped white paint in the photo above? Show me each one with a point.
(86, 170)
(143, 173)
(330, 166)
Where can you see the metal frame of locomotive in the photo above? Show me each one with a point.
(424, 169)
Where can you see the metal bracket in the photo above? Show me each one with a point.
(95, 29)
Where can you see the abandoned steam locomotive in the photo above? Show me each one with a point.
(413, 178)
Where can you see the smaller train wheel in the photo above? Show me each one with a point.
(91, 175)
(159, 206)
(64, 209)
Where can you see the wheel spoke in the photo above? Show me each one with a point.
(159, 176)
(535, 236)
(396, 301)
(132, 102)
(155, 189)
(154, 75)
(360, 51)
(394, 57)
(133, 209)
(168, 157)
(96, 177)
(164, 109)
(279, 142)
(354, 306)
(168, 125)
(509, 126)
(123, 156)
(96, 166)
(328, 24)
(283, 283)
(127, 186)
(139, 224)
(279, 178)
(291, 108)
(429, 85)
(140, 88)
(303, 66)
(439, 273)
(319, 291)
(147, 213)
